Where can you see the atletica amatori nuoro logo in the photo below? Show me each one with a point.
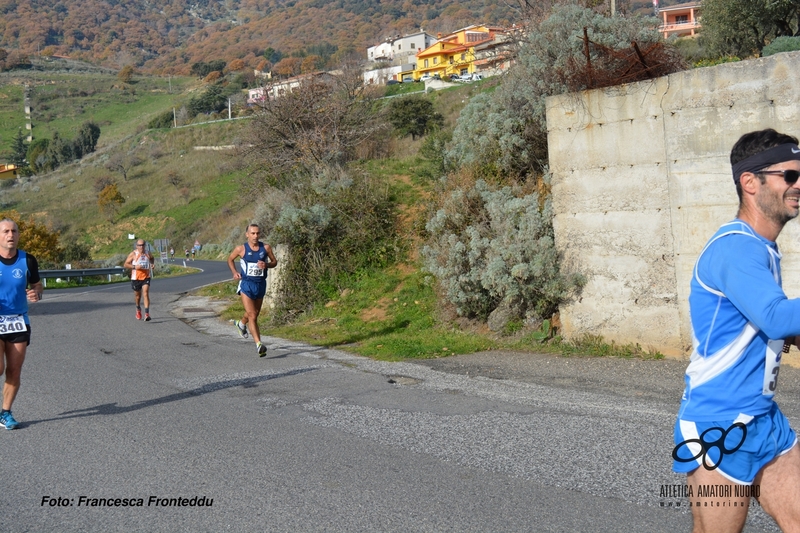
(17, 273)
(701, 446)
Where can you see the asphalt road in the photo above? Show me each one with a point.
(180, 410)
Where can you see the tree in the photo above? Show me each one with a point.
(235, 65)
(272, 55)
(86, 140)
(202, 69)
(37, 160)
(311, 64)
(414, 115)
(174, 179)
(19, 150)
(109, 201)
(122, 164)
(211, 101)
(744, 27)
(102, 182)
(315, 127)
(213, 76)
(59, 152)
(125, 75)
(288, 67)
(36, 238)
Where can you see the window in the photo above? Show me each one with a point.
(473, 37)
(451, 60)
(435, 60)
(463, 57)
(426, 63)
(412, 46)
(681, 19)
(399, 46)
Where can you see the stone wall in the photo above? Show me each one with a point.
(641, 180)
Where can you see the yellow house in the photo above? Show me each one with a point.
(8, 171)
(455, 53)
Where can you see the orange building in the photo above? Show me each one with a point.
(682, 20)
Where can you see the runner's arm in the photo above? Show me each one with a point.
(740, 270)
(129, 262)
(235, 254)
(273, 262)
(34, 292)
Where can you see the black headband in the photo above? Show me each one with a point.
(767, 158)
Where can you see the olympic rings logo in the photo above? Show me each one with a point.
(707, 446)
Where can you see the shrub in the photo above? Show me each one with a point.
(781, 44)
(491, 247)
(164, 120)
(506, 132)
(334, 227)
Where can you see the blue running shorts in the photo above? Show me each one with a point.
(737, 449)
(252, 289)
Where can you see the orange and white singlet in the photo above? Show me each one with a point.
(142, 264)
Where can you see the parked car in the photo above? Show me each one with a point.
(425, 77)
(392, 82)
(455, 77)
(477, 77)
(407, 79)
(437, 77)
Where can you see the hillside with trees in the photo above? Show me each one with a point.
(444, 221)
(162, 36)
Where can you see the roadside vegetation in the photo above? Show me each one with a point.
(418, 225)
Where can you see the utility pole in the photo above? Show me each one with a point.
(613, 7)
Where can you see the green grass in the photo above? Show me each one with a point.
(390, 315)
(61, 102)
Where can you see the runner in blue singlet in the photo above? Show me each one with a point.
(19, 284)
(730, 434)
(255, 258)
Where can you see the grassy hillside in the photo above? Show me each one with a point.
(61, 101)
(178, 192)
(171, 190)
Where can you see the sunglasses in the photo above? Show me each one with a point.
(143, 244)
(789, 176)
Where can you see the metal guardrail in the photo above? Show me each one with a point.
(79, 273)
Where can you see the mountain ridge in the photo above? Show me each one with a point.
(168, 36)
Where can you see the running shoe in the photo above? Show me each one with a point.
(138, 314)
(7, 420)
(147, 317)
(262, 350)
(241, 328)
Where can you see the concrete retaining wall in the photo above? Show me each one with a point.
(641, 180)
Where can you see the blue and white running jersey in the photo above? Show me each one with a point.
(740, 316)
(249, 263)
(13, 281)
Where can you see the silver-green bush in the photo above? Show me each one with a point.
(492, 247)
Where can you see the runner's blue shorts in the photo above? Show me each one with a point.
(254, 290)
(737, 449)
